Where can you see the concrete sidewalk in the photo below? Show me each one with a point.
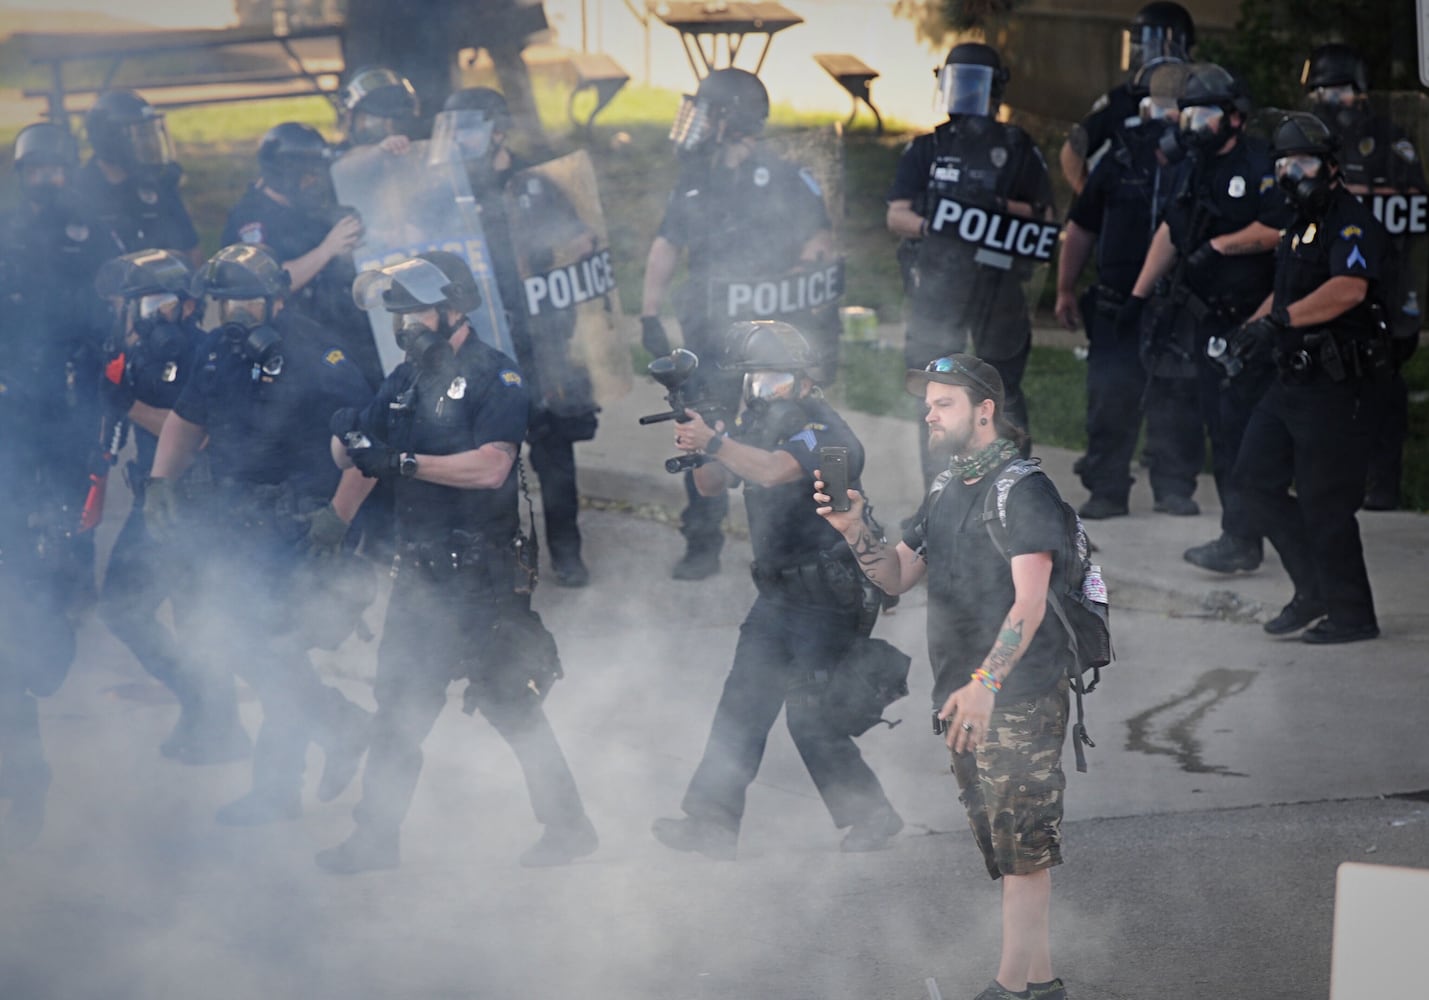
(1140, 554)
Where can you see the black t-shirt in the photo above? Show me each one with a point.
(477, 397)
(326, 299)
(1224, 194)
(784, 526)
(1122, 203)
(1107, 120)
(970, 583)
(1346, 241)
(267, 427)
(145, 213)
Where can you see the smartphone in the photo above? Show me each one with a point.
(833, 466)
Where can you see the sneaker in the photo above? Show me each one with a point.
(1047, 991)
(261, 808)
(702, 836)
(696, 564)
(872, 833)
(1327, 632)
(1301, 611)
(995, 991)
(1176, 505)
(1227, 554)
(1100, 508)
(343, 757)
(364, 851)
(560, 845)
(571, 573)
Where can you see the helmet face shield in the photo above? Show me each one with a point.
(1299, 167)
(246, 313)
(1144, 42)
(964, 89)
(1203, 121)
(149, 140)
(368, 129)
(152, 307)
(413, 285)
(1340, 95)
(466, 136)
(766, 385)
(693, 126)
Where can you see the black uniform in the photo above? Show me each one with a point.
(154, 371)
(454, 581)
(1122, 204)
(550, 434)
(144, 213)
(1374, 155)
(806, 614)
(327, 299)
(1113, 115)
(1313, 427)
(1215, 195)
(269, 456)
(956, 304)
(745, 225)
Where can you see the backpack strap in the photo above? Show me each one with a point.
(994, 516)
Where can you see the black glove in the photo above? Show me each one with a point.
(344, 421)
(376, 461)
(653, 336)
(118, 397)
(326, 532)
(1128, 318)
(1202, 257)
(1254, 342)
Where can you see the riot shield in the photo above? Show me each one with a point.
(1403, 208)
(570, 328)
(409, 206)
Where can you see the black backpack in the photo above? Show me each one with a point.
(1077, 594)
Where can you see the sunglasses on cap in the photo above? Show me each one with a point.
(952, 366)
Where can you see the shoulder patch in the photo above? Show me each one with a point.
(510, 377)
(1405, 149)
(1351, 233)
(250, 232)
(1266, 183)
(810, 181)
(1356, 259)
(334, 357)
(806, 438)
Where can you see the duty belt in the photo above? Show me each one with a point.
(823, 580)
(1338, 356)
(464, 552)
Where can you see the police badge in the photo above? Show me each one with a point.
(761, 176)
(1366, 145)
(458, 388)
(1237, 187)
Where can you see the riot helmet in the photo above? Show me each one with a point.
(773, 356)
(44, 155)
(1304, 151)
(293, 160)
(240, 285)
(1336, 81)
(1160, 29)
(128, 132)
(151, 285)
(437, 279)
(470, 129)
(378, 102)
(730, 104)
(1210, 96)
(971, 81)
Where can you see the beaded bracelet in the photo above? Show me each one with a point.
(984, 677)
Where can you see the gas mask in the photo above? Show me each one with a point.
(368, 129)
(425, 348)
(1205, 128)
(1305, 179)
(262, 346)
(44, 186)
(153, 321)
(1339, 104)
(766, 386)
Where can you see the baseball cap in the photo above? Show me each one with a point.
(958, 369)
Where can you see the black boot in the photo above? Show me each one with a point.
(873, 832)
(1227, 554)
(561, 844)
(698, 563)
(690, 834)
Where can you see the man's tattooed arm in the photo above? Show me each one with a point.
(1008, 648)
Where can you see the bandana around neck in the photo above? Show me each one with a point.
(979, 464)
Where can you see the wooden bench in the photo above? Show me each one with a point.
(855, 76)
(600, 74)
(303, 62)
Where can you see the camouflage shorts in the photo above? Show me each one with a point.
(1012, 786)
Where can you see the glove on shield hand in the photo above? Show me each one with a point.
(326, 531)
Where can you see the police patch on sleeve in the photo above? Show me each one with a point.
(510, 377)
(806, 438)
(1266, 183)
(250, 232)
(810, 181)
(334, 357)
(1406, 152)
(1351, 233)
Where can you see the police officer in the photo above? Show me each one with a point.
(268, 383)
(379, 108)
(479, 122)
(131, 183)
(1326, 332)
(955, 302)
(150, 358)
(1160, 30)
(739, 212)
(52, 329)
(1380, 165)
(810, 606)
(1217, 237)
(1116, 215)
(293, 211)
(446, 426)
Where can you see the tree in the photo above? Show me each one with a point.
(935, 20)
